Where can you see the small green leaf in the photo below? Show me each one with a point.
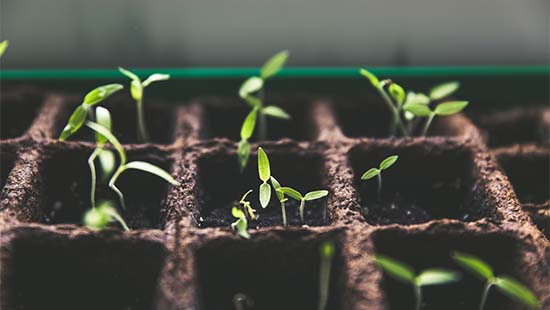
(265, 194)
(292, 193)
(417, 98)
(274, 64)
(243, 153)
(248, 125)
(155, 77)
(96, 219)
(418, 109)
(101, 93)
(396, 269)
(237, 213)
(327, 249)
(264, 170)
(112, 139)
(397, 92)
(451, 107)
(76, 121)
(372, 78)
(436, 277)
(408, 115)
(107, 163)
(516, 290)
(313, 195)
(276, 185)
(3, 46)
(250, 86)
(253, 102)
(242, 224)
(443, 90)
(369, 174)
(388, 162)
(152, 169)
(275, 112)
(129, 74)
(474, 265)
(136, 90)
(103, 118)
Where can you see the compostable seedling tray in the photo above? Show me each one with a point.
(452, 190)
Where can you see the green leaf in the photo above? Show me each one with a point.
(107, 163)
(418, 109)
(248, 125)
(242, 224)
(265, 194)
(444, 90)
(155, 77)
(243, 153)
(372, 78)
(474, 265)
(112, 139)
(327, 249)
(397, 92)
(129, 74)
(3, 46)
(451, 107)
(136, 90)
(96, 219)
(436, 277)
(101, 93)
(388, 162)
(369, 174)
(237, 213)
(290, 192)
(313, 195)
(396, 269)
(103, 118)
(417, 98)
(264, 170)
(250, 86)
(76, 121)
(274, 64)
(276, 185)
(152, 169)
(275, 112)
(516, 290)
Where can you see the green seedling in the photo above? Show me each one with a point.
(442, 109)
(252, 92)
(404, 273)
(3, 46)
(294, 194)
(282, 200)
(246, 207)
(505, 284)
(241, 224)
(98, 218)
(264, 171)
(377, 172)
(137, 88)
(78, 117)
(327, 253)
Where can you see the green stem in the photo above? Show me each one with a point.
(485, 293)
(418, 296)
(262, 120)
(396, 121)
(142, 133)
(119, 219)
(324, 282)
(427, 125)
(283, 210)
(379, 185)
(301, 208)
(93, 175)
(116, 189)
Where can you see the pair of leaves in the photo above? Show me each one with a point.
(3, 46)
(254, 84)
(264, 172)
(404, 273)
(241, 225)
(385, 164)
(443, 109)
(296, 195)
(136, 86)
(444, 90)
(98, 218)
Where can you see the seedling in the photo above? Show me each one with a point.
(264, 171)
(327, 253)
(3, 46)
(246, 207)
(282, 200)
(252, 92)
(442, 109)
(241, 224)
(404, 273)
(505, 284)
(377, 172)
(294, 194)
(137, 88)
(98, 218)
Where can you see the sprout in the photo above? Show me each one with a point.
(373, 172)
(327, 252)
(241, 224)
(294, 194)
(3, 46)
(98, 218)
(246, 207)
(264, 172)
(405, 274)
(247, 92)
(442, 109)
(137, 88)
(276, 185)
(505, 284)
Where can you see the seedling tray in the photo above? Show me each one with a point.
(470, 186)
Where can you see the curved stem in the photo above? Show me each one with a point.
(396, 121)
(418, 296)
(93, 175)
(116, 189)
(324, 282)
(380, 185)
(142, 133)
(485, 293)
(427, 125)
(283, 210)
(302, 202)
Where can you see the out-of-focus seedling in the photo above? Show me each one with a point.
(505, 284)
(377, 172)
(252, 92)
(137, 88)
(246, 207)
(294, 194)
(404, 273)
(3, 46)
(98, 218)
(242, 302)
(326, 252)
(442, 109)
(241, 224)
(264, 171)
(282, 199)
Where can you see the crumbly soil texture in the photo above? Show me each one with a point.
(470, 186)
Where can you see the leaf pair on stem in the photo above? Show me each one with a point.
(377, 172)
(240, 213)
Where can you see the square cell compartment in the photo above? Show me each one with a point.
(529, 175)
(18, 109)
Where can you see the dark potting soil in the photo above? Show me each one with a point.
(18, 109)
(529, 175)
(7, 161)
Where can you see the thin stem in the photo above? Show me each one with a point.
(427, 125)
(418, 296)
(396, 121)
(262, 120)
(283, 210)
(485, 293)
(93, 175)
(119, 219)
(301, 208)
(324, 282)
(116, 189)
(142, 133)
(379, 185)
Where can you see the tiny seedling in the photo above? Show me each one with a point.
(248, 90)
(404, 273)
(327, 253)
(264, 171)
(442, 109)
(246, 207)
(3, 46)
(377, 172)
(241, 224)
(294, 194)
(505, 284)
(98, 218)
(137, 88)
(282, 200)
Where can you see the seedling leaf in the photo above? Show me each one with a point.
(417, 98)
(275, 112)
(291, 193)
(103, 118)
(443, 90)
(388, 162)
(371, 173)
(372, 78)
(107, 162)
(397, 92)
(243, 153)
(76, 121)
(253, 101)
(437, 276)
(129, 74)
(418, 109)
(95, 219)
(248, 125)
(112, 139)
(274, 64)
(474, 265)
(250, 86)
(237, 213)
(136, 90)
(516, 290)
(315, 195)
(265, 194)
(147, 167)
(450, 107)
(155, 77)
(396, 269)
(101, 93)
(276, 185)
(263, 165)
(3, 46)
